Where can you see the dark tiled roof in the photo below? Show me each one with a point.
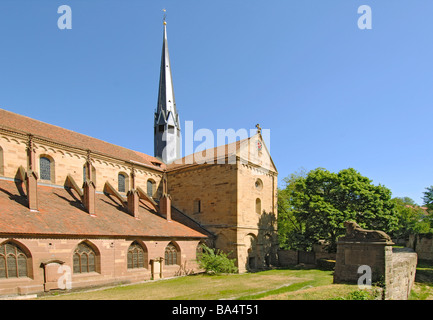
(61, 213)
(16, 122)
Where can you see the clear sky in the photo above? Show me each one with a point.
(333, 95)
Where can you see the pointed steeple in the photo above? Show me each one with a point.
(166, 122)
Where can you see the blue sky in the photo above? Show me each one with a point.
(333, 95)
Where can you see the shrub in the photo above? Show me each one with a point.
(326, 264)
(215, 261)
(374, 294)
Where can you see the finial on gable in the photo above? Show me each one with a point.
(259, 129)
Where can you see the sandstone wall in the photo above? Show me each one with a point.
(394, 268)
(68, 160)
(111, 262)
(423, 246)
(401, 275)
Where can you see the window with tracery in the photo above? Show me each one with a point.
(170, 254)
(136, 256)
(13, 261)
(84, 259)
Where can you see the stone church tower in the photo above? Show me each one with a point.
(166, 123)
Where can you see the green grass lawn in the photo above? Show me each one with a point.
(272, 284)
(423, 287)
(280, 284)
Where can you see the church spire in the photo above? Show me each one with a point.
(166, 123)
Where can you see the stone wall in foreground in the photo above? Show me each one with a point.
(395, 268)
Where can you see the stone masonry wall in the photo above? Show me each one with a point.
(393, 267)
(422, 244)
(68, 160)
(111, 262)
(401, 276)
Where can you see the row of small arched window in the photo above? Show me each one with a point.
(13, 259)
(47, 173)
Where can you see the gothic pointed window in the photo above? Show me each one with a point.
(137, 256)
(13, 261)
(45, 168)
(84, 259)
(171, 254)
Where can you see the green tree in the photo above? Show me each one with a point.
(319, 202)
(216, 261)
(412, 218)
(428, 198)
(289, 229)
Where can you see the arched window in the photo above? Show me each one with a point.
(84, 259)
(150, 187)
(122, 182)
(137, 256)
(171, 254)
(258, 206)
(45, 167)
(2, 172)
(13, 261)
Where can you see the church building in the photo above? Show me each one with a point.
(78, 212)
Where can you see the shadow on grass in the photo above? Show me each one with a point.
(424, 272)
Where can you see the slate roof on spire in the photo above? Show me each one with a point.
(166, 99)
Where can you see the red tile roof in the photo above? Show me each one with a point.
(16, 122)
(61, 213)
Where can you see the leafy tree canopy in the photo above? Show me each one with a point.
(313, 206)
(428, 198)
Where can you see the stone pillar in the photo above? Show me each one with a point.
(362, 247)
(133, 202)
(89, 196)
(165, 200)
(31, 176)
(89, 188)
(165, 206)
(352, 255)
(133, 197)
